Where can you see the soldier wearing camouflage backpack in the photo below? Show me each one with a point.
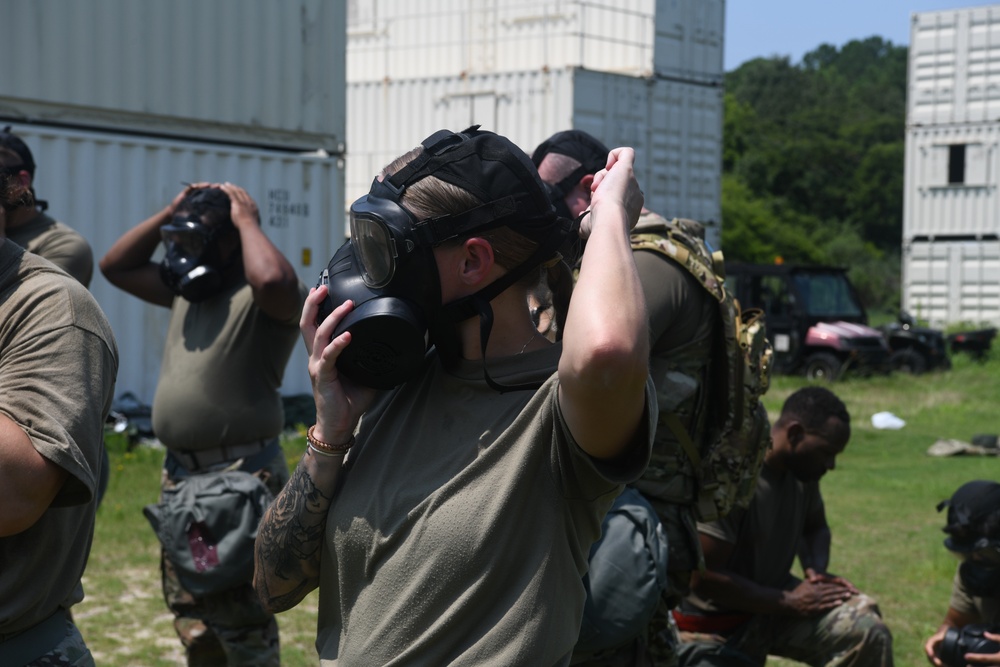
(702, 465)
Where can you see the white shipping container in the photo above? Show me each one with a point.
(690, 36)
(103, 184)
(951, 177)
(250, 71)
(953, 281)
(954, 68)
(407, 39)
(676, 128)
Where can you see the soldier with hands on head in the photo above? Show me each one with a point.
(235, 302)
(58, 364)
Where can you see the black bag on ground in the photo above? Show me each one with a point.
(207, 525)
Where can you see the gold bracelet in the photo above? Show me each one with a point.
(326, 447)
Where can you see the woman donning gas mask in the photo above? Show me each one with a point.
(388, 267)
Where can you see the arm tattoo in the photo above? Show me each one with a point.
(289, 542)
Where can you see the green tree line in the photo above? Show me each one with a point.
(813, 162)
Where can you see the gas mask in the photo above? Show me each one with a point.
(191, 266)
(980, 568)
(388, 267)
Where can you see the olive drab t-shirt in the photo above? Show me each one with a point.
(58, 365)
(222, 366)
(58, 243)
(987, 609)
(463, 525)
(768, 532)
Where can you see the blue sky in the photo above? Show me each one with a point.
(762, 28)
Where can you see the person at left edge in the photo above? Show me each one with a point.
(235, 302)
(29, 226)
(58, 364)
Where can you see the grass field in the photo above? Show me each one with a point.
(880, 504)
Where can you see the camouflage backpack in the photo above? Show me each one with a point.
(738, 431)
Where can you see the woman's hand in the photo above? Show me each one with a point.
(616, 185)
(339, 401)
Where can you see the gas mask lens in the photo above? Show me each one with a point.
(376, 250)
(188, 237)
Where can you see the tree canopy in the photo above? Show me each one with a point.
(813, 162)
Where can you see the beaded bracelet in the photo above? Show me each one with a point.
(325, 448)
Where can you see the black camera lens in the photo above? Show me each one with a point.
(968, 639)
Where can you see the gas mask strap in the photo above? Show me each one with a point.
(479, 304)
(485, 327)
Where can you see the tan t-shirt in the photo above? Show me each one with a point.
(462, 529)
(987, 609)
(58, 243)
(222, 367)
(58, 364)
(768, 532)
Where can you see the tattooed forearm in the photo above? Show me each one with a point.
(289, 541)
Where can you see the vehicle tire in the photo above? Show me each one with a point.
(908, 360)
(823, 366)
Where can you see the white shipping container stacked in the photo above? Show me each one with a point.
(121, 101)
(252, 71)
(953, 281)
(102, 184)
(951, 218)
(527, 70)
(674, 126)
(954, 76)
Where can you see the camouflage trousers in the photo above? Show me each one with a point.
(70, 652)
(229, 627)
(852, 635)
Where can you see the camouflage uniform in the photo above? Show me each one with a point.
(70, 652)
(229, 627)
(852, 635)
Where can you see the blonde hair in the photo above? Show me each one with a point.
(431, 196)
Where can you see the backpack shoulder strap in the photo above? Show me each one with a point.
(676, 240)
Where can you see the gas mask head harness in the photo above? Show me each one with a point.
(192, 266)
(974, 535)
(582, 147)
(388, 268)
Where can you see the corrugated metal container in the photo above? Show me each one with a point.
(951, 177)
(676, 128)
(102, 184)
(404, 39)
(249, 71)
(953, 281)
(689, 39)
(954, 57)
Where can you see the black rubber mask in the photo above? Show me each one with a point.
(192, 267)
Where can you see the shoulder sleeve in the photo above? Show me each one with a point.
(961, 600)
(581, 472)
(57, 380)
(68, 250)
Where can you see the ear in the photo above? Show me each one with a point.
(795, 433)
(24, 178)
(587, 182)
(477, 261)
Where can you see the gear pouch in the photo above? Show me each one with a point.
(207, 525)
